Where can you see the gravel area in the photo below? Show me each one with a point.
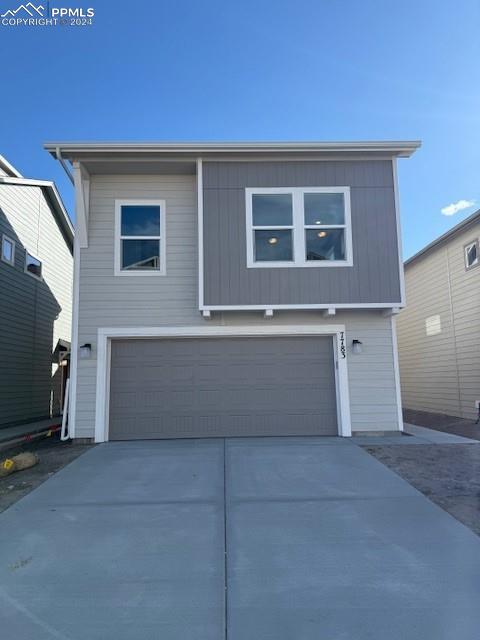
(53, 455)
(448, 474)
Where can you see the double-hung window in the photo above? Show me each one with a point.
(299, 227)
(140, 237)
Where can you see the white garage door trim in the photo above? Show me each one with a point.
(105, 335)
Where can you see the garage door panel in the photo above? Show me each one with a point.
(173, 388)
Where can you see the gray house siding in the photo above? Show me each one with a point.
(172, 300)
(441, 373)
(374, 276)
(34, 314)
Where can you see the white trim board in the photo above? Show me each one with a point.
(105, 336)
(200, 232)
(396, 369)
(399, 233)
(72, 405)
(286, 307)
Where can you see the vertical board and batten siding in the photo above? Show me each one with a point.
(374, 276)
(172, 300)
(441, 373)
(34, 314)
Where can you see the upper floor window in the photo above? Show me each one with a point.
(471, 254)
(299, 227)
(8, 250)
(33, 266)
(140, 237)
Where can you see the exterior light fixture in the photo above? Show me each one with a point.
(272, 240)
(321, 234)
(356, 347)
(85, 351)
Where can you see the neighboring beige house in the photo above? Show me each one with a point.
(439, 331)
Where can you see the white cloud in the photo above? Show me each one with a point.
(455, 207)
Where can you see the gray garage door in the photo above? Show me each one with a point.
(219, 387)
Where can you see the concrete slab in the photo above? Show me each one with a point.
(365, 557)
(126, 542)
(322, 541)
(389, 440)
(436, 437)
(446, 473)
(139, 472)
(301, 470)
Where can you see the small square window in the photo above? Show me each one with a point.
(8, 250)
(471, 255)
(33, 266)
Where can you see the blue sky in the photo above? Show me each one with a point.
(263, 70)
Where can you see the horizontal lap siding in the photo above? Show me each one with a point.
(109, 301)
(374, 276)
(441, 373)
(33, 314)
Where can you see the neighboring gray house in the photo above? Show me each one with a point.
(235, 289)
(36, 274)
(439, 331)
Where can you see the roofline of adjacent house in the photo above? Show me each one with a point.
(49, 187)
(70, 150)
(9, 168)
(461, 226)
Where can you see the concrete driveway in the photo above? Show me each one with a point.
(268, 539)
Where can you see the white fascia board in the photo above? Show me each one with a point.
(69, 150)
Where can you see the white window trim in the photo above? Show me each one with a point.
(13, 243)
(118, 249)
(106, 335)
(465, 254)
(33, 275)
(298, 229)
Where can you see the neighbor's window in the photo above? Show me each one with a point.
(471, 255)
(298, 227)
(433, 325)
(140, 242)
(33, 266)
(8, 250)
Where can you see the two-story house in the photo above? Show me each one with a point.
(439, 331)
(244, 289)
(36, 279)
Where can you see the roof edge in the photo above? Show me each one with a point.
(68, 150)
(60, 213)
(9, 168)
(461, 226)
